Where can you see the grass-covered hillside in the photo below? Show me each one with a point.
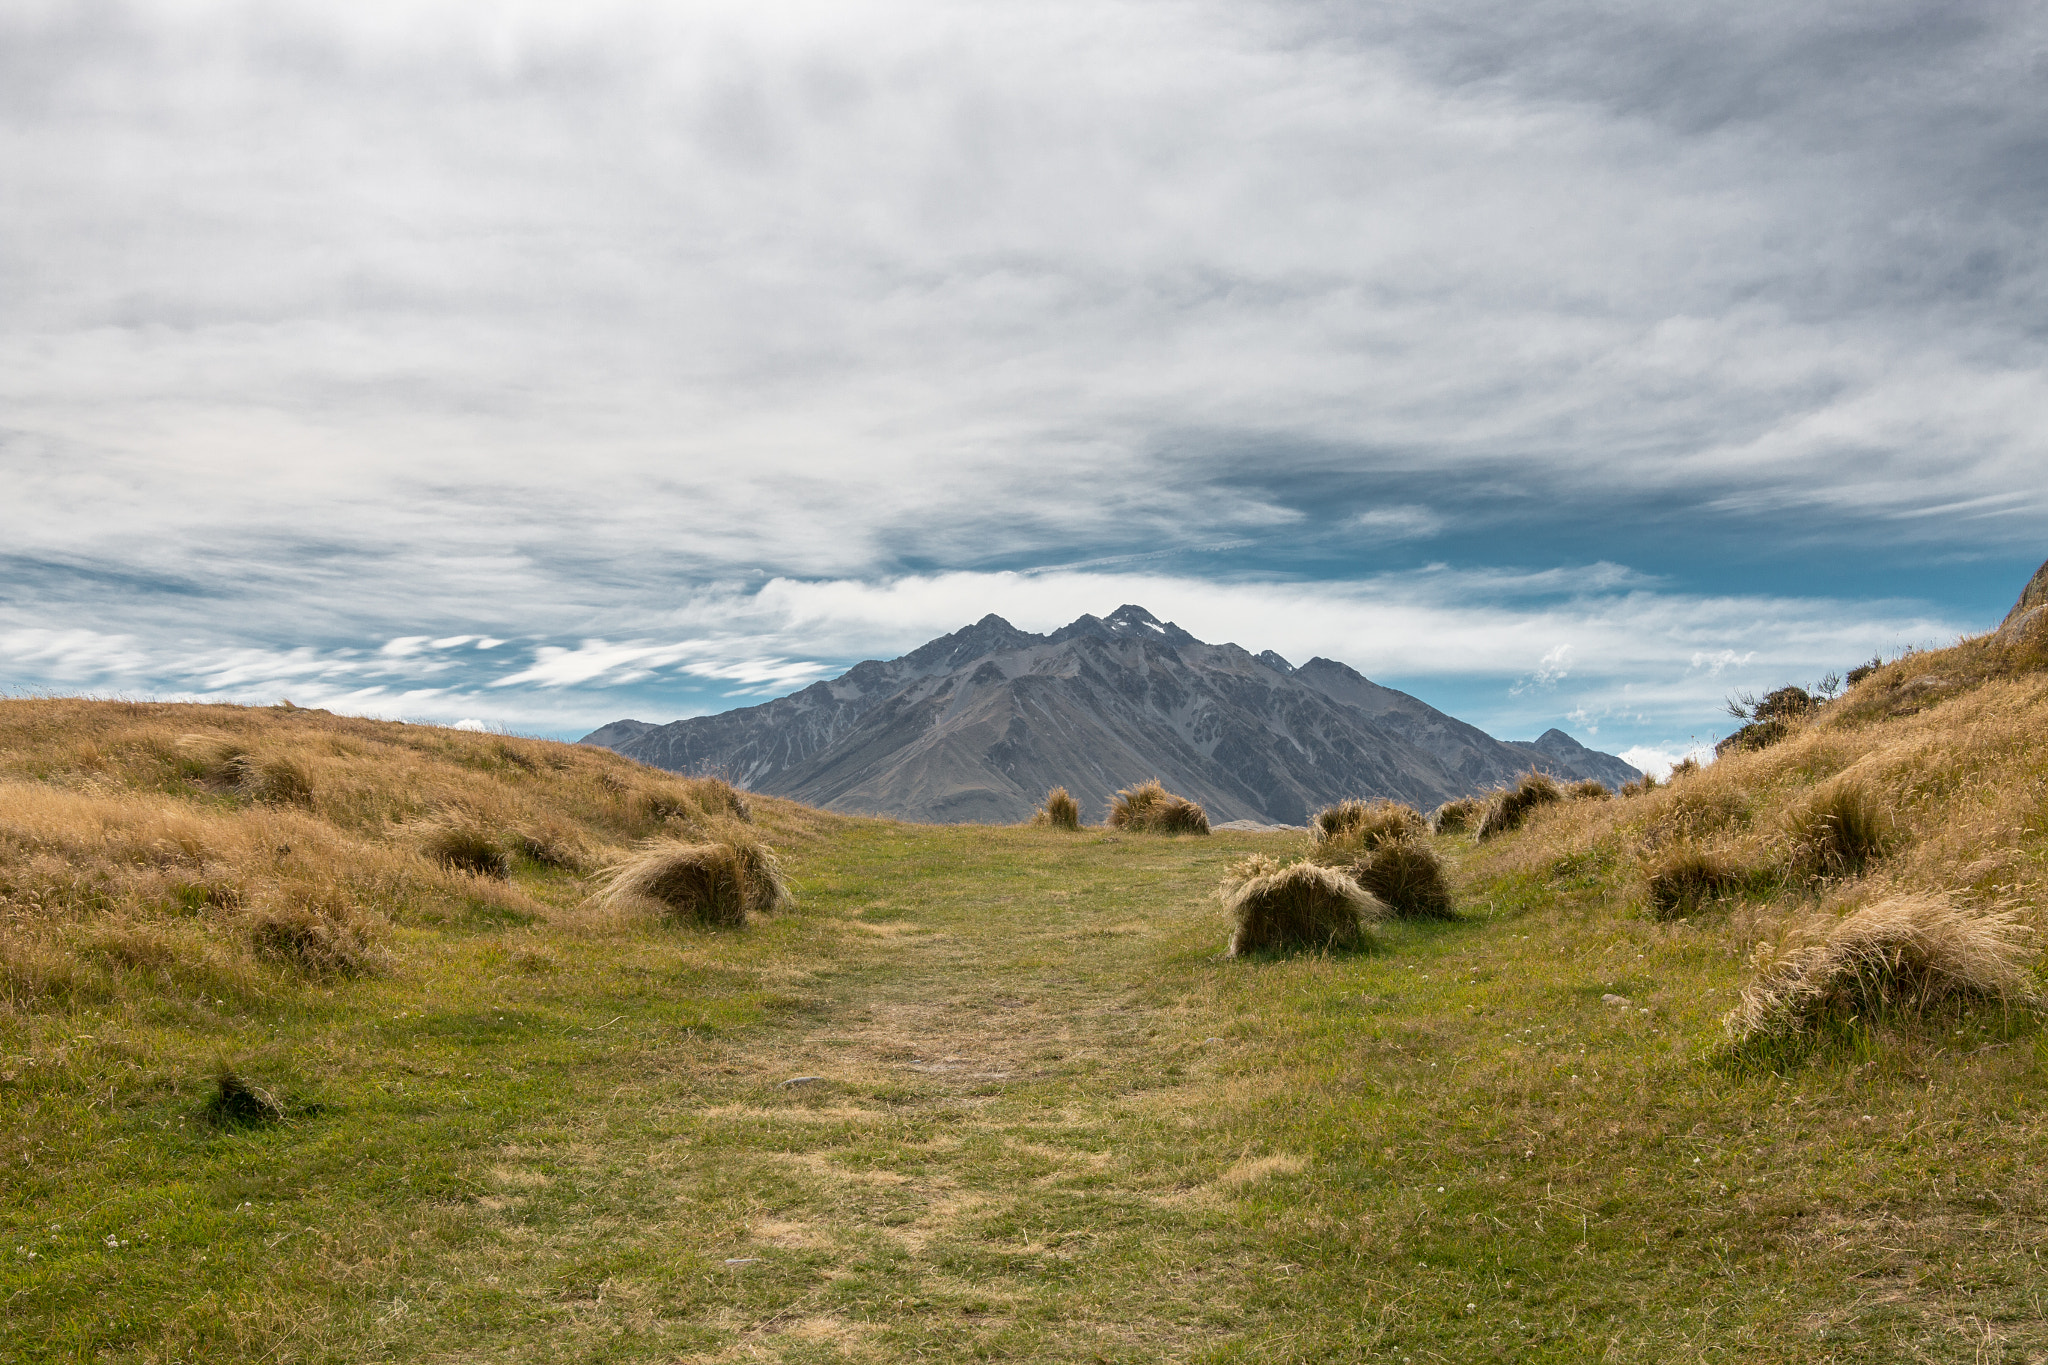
(328, 1039)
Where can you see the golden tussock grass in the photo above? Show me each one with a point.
(208, 849)
(1840, 827)
(1149, 808)
(1363, 823)
(1300, 905)
(1060, 811)
(1942, 799)
(1407, 876)
(1510, 808)
(1589, 789)
(1384, 847)
(717, 882)
(1457, 816)
(1686, 877)
(1898, 956)
(465, 847)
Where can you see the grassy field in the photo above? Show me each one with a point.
(984, 1093)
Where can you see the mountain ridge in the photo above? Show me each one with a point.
(977, 724)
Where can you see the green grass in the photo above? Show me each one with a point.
(1051, 1122)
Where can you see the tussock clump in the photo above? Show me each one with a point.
(716, 882)
(1642, 786)
(1894, 957)
(1408, 876)
(236, 1100)
(463, 846)
(1685, 767)
(1840, 828)
(1510, 809)
(1301, 905)
(1365, 823)
(1455, 817)
(553, 843)
(1688, 877)
(1060, 811)
(1588, 790)
(1699, 810)
(1149, 808)
(320, 935)
(719, 797)
(221, 766)
(686, 801)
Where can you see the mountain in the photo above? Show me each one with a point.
(1557, 752)
(976, 725)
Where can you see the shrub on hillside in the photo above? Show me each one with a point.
(1509, 810)
(717, 882)
(1457, 816)
(1363, 823)
(1060, 811)
(1840, 828)
(1894, 957)
(1301, 905)
(1587, 790)
(1767, 721)
(1640, 787)
(1150, 808)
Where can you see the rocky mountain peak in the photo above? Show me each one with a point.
(1128, 622)
(976, 725)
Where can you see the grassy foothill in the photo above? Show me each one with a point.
(328, 1039)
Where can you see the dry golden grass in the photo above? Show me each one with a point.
(1060, 811)
(720, 881)
(1509, 809)
(1361, 824)
(1588, 790)
(1457, 816)
(1384, 847)
(209, 849)
(465, 847)
(1687, 877)
(1941, 798)
(1896, 956)
(1149, 808)
(1301, 905)
(1840, 827)
(1407, 876)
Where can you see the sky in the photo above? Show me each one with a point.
(532, 366)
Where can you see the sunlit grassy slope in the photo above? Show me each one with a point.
(984, 1093)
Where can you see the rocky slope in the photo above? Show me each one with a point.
(978, 724)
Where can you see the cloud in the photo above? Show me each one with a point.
(1658, 762)
(1401, 523)
(522, 363)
